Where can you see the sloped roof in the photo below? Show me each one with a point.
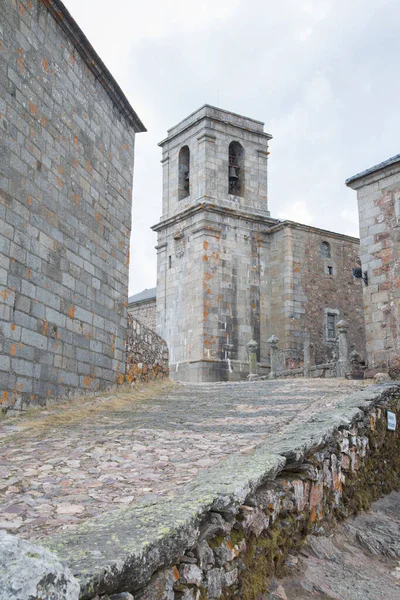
(386, 163)
(145, 295)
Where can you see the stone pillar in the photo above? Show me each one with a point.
(307, 358)
(273, 353)
(252, 348)
(343, 364)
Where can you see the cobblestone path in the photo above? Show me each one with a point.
(55, 474)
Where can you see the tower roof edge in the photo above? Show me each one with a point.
(207, 111)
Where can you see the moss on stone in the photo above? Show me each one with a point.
(379, 473)
(265, 555)
(216, 541)
(237, 536)
(203, 593)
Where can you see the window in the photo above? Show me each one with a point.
(331, 326)
(325, 250)
(330, 270)
(169, 261)
(184, 173)
(236, 169)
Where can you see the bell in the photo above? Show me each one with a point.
(233, 173)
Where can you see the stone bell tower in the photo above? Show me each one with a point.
(213, 245)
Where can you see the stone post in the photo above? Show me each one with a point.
(343, 364)
(307, 358)
(252, 348)
(273, 356)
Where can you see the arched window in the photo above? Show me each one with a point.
(236, 169)
(325, 250)
(184, 173)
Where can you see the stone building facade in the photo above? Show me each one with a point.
(378, 194)
(312, 288)
(66, 167)
(142, 307)
(227, 271)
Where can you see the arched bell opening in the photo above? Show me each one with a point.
(325, 250)
(236, 169)
(184, 173)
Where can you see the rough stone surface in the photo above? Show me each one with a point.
(119, 452)
(145, 312)
(313, 462)
(325, 463)
(147, 356)
(66, 166)
(30, 572)
(228, 273)
(361, 559)
(378, 194)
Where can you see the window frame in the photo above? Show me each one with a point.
(331, 312)
(325, 250)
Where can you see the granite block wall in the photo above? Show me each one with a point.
(66, 167)
(378, 194)
(210, 261)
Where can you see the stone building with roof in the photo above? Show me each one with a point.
(378, 195)
(228, 272)
(66, 169)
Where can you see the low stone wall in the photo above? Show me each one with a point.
(324, 370)
(232, 527)
(147, 356)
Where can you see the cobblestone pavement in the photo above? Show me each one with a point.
(55, 473)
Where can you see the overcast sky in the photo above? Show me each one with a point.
(322, 74)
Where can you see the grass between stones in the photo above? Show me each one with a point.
(72, 412)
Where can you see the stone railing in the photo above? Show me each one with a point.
(344, 363)
(147, 356)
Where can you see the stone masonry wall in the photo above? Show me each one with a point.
(378, 196)
(146, 353)
(212, 294)
(145, 312)
(303, 290)
(227, 272)
(209, 283)
(66, 159)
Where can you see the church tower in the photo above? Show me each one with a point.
(212, 290)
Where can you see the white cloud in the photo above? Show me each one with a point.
(316, 71)
(297, 211)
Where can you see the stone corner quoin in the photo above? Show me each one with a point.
(378, 196)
